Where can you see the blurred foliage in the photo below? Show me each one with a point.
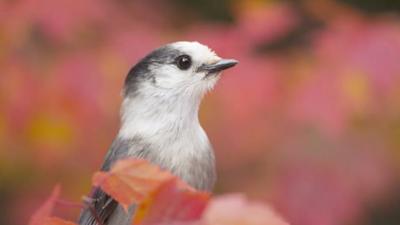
(207, 10)
(375, 5)
(309, 119)
(385, 213)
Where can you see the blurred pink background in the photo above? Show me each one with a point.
(309, 121)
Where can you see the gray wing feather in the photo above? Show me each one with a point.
(103, 205)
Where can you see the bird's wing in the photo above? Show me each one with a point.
(102, 205)
(100, 209)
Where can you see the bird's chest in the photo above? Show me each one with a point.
(187, 154)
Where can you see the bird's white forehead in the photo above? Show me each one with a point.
(197, 51)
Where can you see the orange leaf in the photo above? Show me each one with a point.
(42, 215)
(131, 180)
(171, 203)
(235, 209)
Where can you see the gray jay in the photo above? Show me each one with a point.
(159, 121)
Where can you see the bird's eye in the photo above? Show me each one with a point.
(183, 62)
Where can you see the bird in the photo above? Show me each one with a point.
(159, 122)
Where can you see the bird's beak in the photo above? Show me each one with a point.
(218, 66)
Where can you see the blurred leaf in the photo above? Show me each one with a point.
(171, 204)
(131, 180)
(42, 215)
(235, 209)
(45, 210)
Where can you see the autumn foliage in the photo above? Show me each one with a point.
(308, 122)
(163, 199)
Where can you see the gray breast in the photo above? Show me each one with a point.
(194, 166)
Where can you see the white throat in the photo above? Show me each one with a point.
(149, 115)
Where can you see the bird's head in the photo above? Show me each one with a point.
(180, 68)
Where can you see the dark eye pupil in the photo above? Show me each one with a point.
(184, 62)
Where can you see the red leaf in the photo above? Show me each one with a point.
(237, 210)
(131, 180)
(171, 204)
(42, 215)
